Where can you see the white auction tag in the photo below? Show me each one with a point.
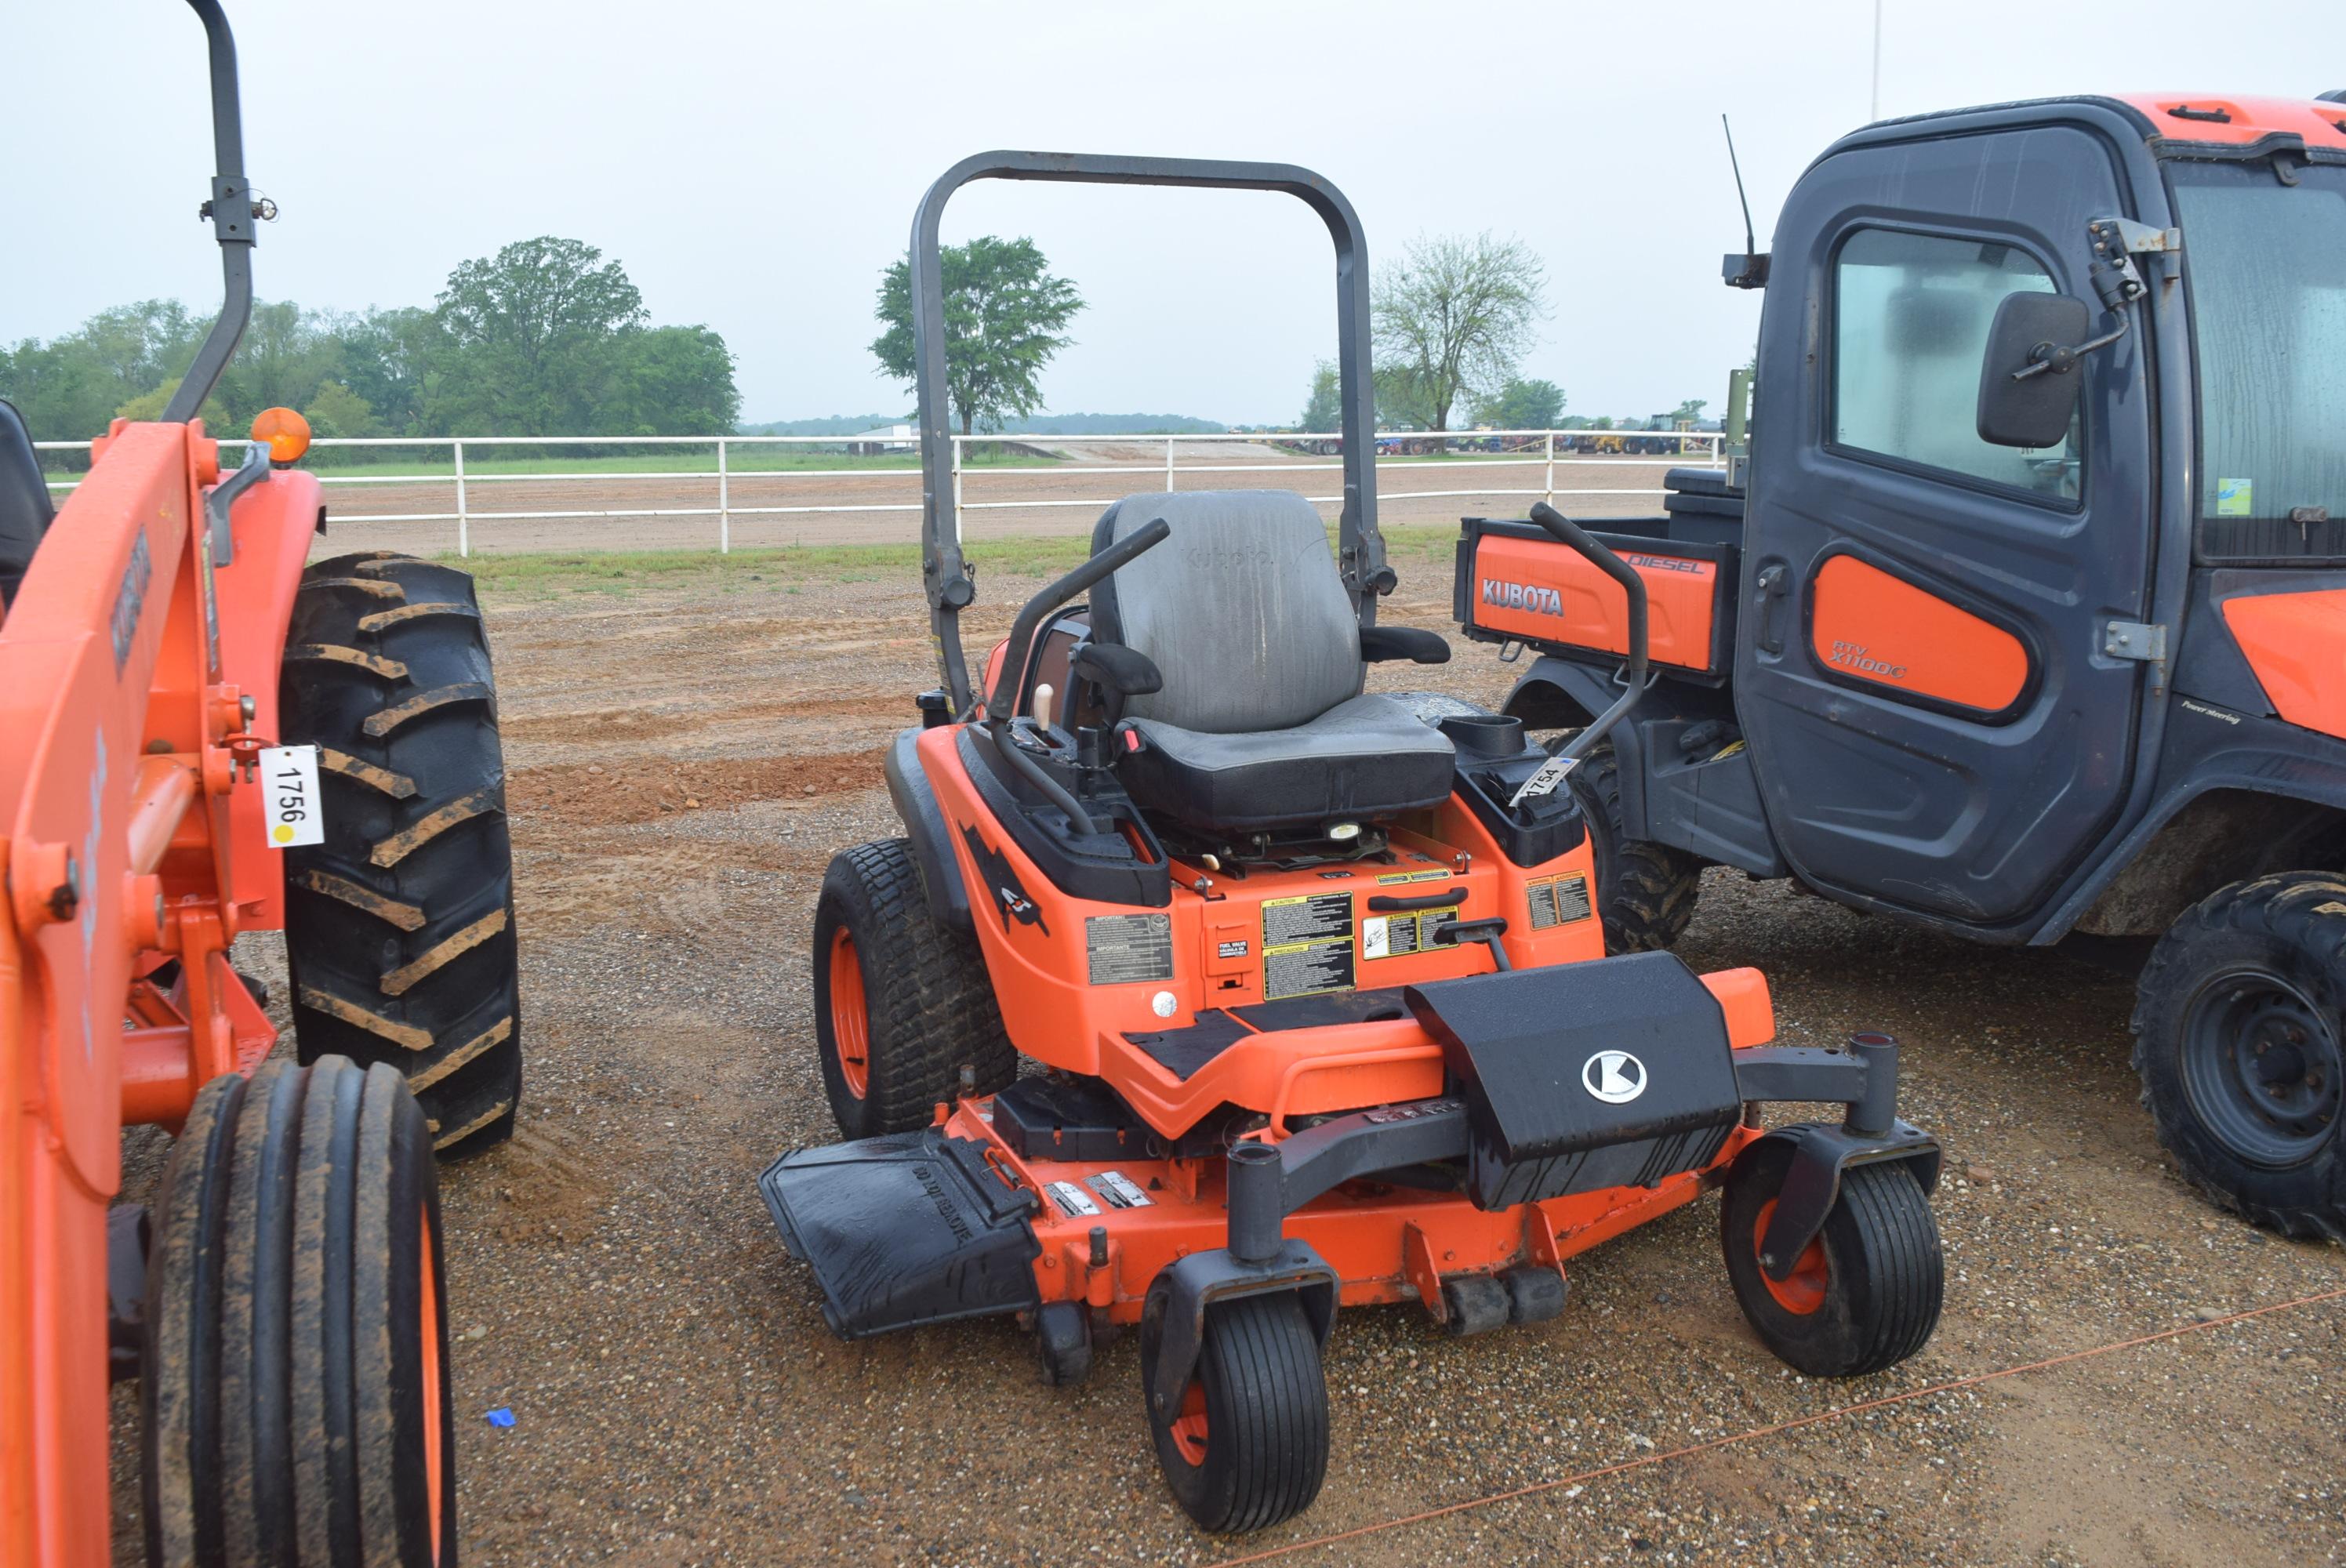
(290, 799)
(1551, 773)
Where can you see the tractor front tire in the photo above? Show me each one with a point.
(1248, 1447)
(399, 929)
(1645, 892)
(2239, 1027)
(901, 1003)
(1865, 1294)
(295, 1385)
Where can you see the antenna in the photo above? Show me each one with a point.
(1748, 271)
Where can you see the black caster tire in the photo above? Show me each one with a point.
(399, 929)
(1865, 1294)
(1248, 1447)
(901, 1003)
(295, 1389)
(1062, 1343)
(1474, 1304)
(2240, 1030)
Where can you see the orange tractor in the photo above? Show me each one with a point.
(200, 739)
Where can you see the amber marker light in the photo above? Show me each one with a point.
(286, 431)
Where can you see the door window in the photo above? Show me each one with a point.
(1910, 319)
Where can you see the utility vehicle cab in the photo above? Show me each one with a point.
(2027, 615)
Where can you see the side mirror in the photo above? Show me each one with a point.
(2028, 375)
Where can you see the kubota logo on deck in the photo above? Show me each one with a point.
(1530, 597)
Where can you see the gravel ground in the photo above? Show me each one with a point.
(683, 763)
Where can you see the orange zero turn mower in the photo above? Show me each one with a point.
(201, 738)
(1313, 1002)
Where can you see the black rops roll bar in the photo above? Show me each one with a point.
(1360, 552)
(234, 215)
(1581, 543)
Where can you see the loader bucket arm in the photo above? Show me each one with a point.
(945, 573)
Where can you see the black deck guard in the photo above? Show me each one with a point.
(1612, 1073)
(904, 1229)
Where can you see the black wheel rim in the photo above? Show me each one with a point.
(2262, 1067)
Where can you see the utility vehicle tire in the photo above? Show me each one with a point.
(1865, 1294)
(399, 929)
(1645, 892)
(2239, 1027)
(1248, 1447)
(901, 1003)
(295, 1387)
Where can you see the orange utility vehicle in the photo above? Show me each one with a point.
(200, 739)
(2026, 617)
(1315, 999)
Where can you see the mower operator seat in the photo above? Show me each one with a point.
(1260, 723)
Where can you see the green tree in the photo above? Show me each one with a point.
(1402, 399)
(1325, 409)
(335, 409)
(671, 380)
(531, 330)
(1523, 405)
(1456, 315)
(1005, 316)
(1690, 410)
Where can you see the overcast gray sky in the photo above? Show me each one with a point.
(755, 166)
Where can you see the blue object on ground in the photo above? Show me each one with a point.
(501, 1417)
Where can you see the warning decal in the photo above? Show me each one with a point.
(1560, 901)
(1073, 1200)
(1126, 949)
(1307, 945)
(1435, 875)
(1118, 1190)
(1391, 936)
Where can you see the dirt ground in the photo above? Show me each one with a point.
(1060, 501)
(683, 761)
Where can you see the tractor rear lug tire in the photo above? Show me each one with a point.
(1645, 891)
(295, 1388)
(399, 929)
(2240, 1028)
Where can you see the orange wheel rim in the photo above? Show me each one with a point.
(1189, 1426)
(428, 1317)
(1804, 1290)
(851, 1025)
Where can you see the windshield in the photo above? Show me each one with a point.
(2266, 268)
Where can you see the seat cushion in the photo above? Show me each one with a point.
(1363, 759)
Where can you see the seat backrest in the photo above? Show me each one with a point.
(24, 509)
(1240, 607)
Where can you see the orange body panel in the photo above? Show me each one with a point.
(1534, 589)
(2297, 645)
(122, 662)
(2252, 119)
(1868, 624)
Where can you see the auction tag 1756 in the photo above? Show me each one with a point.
(289, 796)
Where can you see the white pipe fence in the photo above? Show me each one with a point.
(1553, 449)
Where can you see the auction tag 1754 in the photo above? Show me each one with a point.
(289, 795)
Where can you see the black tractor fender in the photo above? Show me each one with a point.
(924, 825)
(2210, 750)
(1822, 1151)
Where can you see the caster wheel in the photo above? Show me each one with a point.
(1248, 1446)
(1533, 1294)
(1864, 1295)
(1062, 1340)
(1476, 1304)
(296, 1387)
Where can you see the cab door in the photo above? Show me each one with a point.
(1918, 665)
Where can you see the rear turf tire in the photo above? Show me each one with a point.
(1248, 1448)
(1645, 892)
(1866, 1293)
(2240, 1030)
(295, 1388)
(901, 1003)
(399, 927)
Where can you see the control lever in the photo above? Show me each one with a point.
(1578, 540)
